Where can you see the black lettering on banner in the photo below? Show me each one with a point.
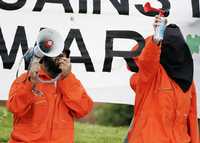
(127, 55)
(96, 7)
(82, 6)
(195, 8)
(66, 4)
(165, 6)
(12, 6)
(122, 8)
(85, 58)
(20, 39)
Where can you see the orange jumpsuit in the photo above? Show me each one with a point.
(47, 118)
(163, 113)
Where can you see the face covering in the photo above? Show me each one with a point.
(51, 67)
(176, 57)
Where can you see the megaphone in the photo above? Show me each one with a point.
(49, 43)
(149, 8)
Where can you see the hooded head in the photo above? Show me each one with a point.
(50, 65)
(176, 57)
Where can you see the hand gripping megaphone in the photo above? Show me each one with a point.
(49, 43)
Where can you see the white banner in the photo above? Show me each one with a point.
(87, 26)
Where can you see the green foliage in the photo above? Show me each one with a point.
(114, 114)
(5, 124)
(194, 43)
(84, 133)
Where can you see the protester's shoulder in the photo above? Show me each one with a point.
(133, 80)
(21, 78)
(193, 86)
(134, 76)
(71, 76)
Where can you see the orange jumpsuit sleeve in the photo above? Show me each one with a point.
(75, 96)
(149, 59)
(20, 96)
(193, 120)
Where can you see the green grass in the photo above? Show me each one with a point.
(99, 134)
(84, 133)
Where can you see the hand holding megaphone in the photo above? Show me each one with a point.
(159, 26)
(64, 64)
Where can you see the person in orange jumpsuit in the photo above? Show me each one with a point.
(165, 104)
(47, 118)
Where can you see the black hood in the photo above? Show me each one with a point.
(176, 57)
(50, 66)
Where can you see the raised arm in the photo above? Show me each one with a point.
(149, 59)
(20, 96)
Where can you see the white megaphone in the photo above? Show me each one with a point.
(49, 43)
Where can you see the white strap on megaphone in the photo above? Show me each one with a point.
(48, 81)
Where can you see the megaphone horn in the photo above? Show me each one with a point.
(49, 43)
(149, 8)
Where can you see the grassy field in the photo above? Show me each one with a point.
(84, 133)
